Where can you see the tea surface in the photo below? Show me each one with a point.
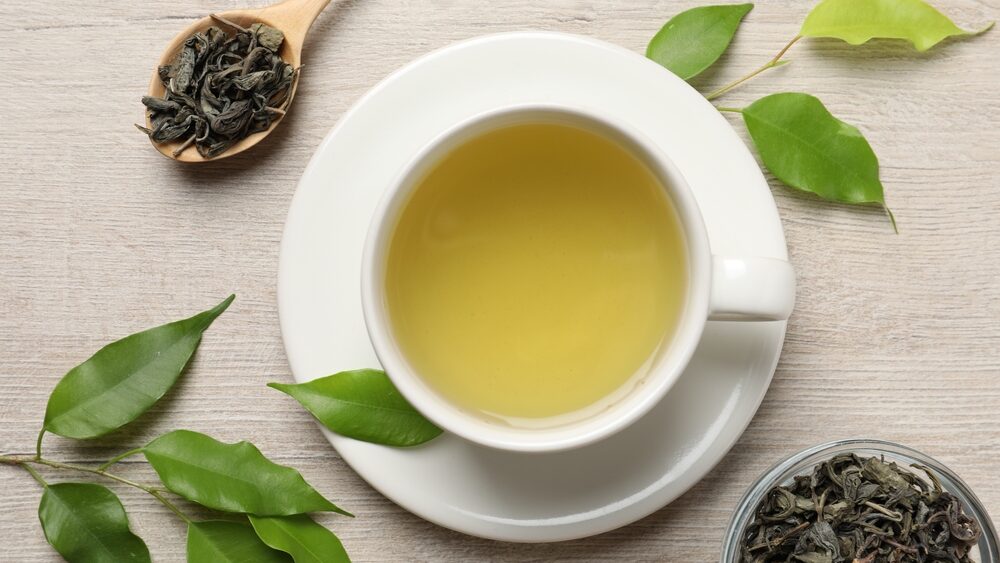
(535, 272)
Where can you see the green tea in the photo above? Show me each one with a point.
(536, 271)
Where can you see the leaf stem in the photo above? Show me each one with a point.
(892, 218)
(730, 110)
(38, 443)
(35, 474)
(774, 62)
(173, 507)
(118, 458)
(27, 462)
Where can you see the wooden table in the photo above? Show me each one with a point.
(893, 336)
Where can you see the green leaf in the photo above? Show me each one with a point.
(86, 522)
(693, 40)
(301, 537)
(857, 21)
(216, 541)
(231, 477)
(808, 148)
(363, 404)
(125, 378)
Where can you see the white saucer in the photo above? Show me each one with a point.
(530, 497)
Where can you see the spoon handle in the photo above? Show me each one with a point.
(294, 17)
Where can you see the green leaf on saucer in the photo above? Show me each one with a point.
(693, 40)
(857, 21)
(87, 522)
(231, 477)
(123, 379)
(217, 541)
(301, 537)
(809, 149)
(363, 404)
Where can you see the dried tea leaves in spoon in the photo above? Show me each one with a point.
(860, 510)
(221, 88)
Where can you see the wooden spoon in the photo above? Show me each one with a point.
(292, 17)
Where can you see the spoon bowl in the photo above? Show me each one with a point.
(291, 17)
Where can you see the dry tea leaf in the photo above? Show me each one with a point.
(221, 88)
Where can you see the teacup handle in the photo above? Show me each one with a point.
(751, 289)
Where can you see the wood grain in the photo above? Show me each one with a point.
(894, 336)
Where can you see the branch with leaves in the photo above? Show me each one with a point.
(798, 139)
(267, 504)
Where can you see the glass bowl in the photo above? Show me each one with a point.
(803, 462)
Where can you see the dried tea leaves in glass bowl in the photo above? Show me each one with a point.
(872, 510)
(860, 501)
(220, 88)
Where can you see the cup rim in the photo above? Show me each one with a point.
(667, 367)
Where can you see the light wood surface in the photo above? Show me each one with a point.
(893, 336)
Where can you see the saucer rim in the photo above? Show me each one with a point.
(348, 449)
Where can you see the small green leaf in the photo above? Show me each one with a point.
(693, 40)
(217, 541)
(231, 477)
(301, 537)
(86, 522)
(808, 148)
(857, 21)
(363, 404)
(125, 378)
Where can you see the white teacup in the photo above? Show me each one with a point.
(719, 287)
